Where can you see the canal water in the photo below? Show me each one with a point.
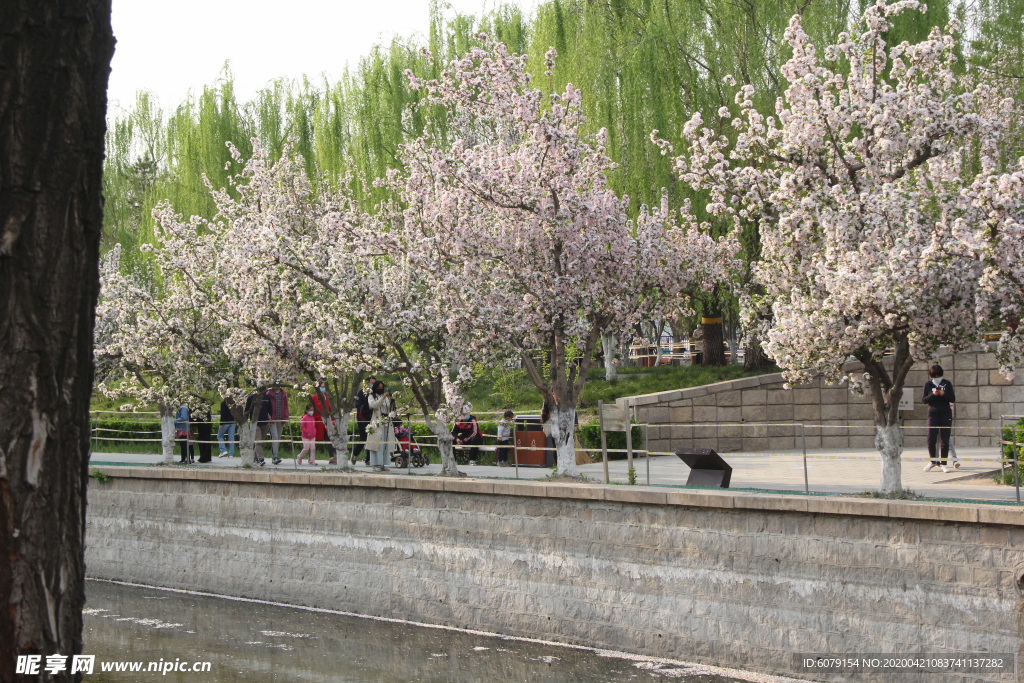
(255, 642)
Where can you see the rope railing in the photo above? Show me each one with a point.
(1011, 434)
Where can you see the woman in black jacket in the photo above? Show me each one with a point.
(204, 433)
(938, 394)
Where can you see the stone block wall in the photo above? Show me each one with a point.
(730, 579)
(718, 416)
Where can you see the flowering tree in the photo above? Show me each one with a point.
(515, 223)
(159, 333)
(287, 283)
(411, 315)
(857, 184)
(992, 225)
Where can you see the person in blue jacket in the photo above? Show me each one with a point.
(182, 432)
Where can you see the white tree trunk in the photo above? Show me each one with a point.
(337, 432)
(167, 433)
(563, 422)
(449, 467)
(889, 442)
(611, 347)
(659, 328)
(247, 442)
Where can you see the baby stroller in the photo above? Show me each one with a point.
(406, 447)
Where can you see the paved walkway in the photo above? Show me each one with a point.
(845, 472)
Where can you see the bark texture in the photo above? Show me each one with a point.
(754, 357)
(714, 336)
(889, 442)
(167, 433)
(449, 466)
(563, 432)
(609, 350)
(54, 64)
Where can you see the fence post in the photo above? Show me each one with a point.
(803, 439)
(515, 447)
(1016, 467)
(604, 441)
(1002, 452)
(647, 450)
(629, 444)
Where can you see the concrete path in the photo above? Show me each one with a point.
(845, 472)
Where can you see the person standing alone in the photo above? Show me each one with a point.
(939, 396)
(363, 416)
(278, 419)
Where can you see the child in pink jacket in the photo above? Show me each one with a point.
(307, 425)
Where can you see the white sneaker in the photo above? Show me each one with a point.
(223, 454)
(956, 464)
(929, 467)
(945, 469)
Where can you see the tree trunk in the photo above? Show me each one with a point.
(754, 356)
(610, 347)
(889, 442)
(563, 432)
(714, 353)
(54, 64)
(659, 328)
(247, 442)
(449, 467)
(167, 433)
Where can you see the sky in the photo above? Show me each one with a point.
(171, 48)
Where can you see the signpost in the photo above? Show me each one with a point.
(613, 418)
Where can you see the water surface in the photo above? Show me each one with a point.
(255, 642)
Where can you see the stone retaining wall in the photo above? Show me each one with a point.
(834, 417)
(739, 580)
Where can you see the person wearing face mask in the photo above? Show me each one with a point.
(939, 396)
(381, 441)
(307, 426)
(467, 433)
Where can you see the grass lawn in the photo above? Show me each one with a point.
(496, 390)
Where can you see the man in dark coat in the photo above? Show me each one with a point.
(939, 396)
(262, 417)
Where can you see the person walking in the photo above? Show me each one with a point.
(381, 439)
(504, 438)
(322, 404)
(363, 416)
(278, 419)
(226, 431)
(307, 427)
(940, 397)
(183, 434)
(466, 432)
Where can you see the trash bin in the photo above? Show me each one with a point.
(530, 440)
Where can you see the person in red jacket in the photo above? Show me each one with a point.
(322, 403)
(307, 425)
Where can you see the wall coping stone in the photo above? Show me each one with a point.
(973, 513)
(769, 378)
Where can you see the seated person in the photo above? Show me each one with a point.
(467, 433)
